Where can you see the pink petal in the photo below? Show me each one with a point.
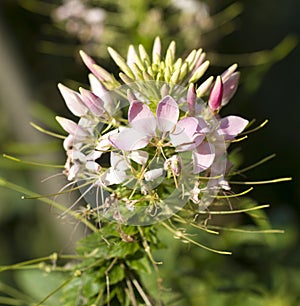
(141, 118)
(129, 139)
(71, 127)
(101, 91)
(203, 157)
(91, 64)
(191, 99)
(229, 87)
(215, 97)
(167, 114)
(184, 137)
(88, 61)
(231, 126)
(73, 100)
(93, 102)
(203, 125)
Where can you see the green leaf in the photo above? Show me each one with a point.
(39, 284)
(140, 265)
(91, 285)
(116, 274)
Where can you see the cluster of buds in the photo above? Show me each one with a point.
(155, 142)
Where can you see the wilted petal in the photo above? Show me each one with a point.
(216, 94)
(167, 114)
(129, 140)
(184, 137)
(229, 87)
(151, 175)
(203, 157)
(73, 101)
(231, 126)
(139, 157)
(141, 118)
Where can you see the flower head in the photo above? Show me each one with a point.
(167, 145)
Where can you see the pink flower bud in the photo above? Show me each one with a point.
(216, 94)
(230, 87)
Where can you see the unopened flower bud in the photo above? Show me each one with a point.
(216, 94)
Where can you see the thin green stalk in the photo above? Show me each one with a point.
(76, 274)
(54, 204)
(279, 180)
(229, 212)
(31, 163)
(183, 237)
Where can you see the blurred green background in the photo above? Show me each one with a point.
(38, 49)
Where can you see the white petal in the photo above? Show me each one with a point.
(112, 177)
(151, 175)
(129, 140)
(118, 162)
(71, 127)
(139, 156)
(73, 101)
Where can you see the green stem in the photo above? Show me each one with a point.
(183, 237)
(54, 204)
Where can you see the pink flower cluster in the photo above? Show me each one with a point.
(147, 146)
